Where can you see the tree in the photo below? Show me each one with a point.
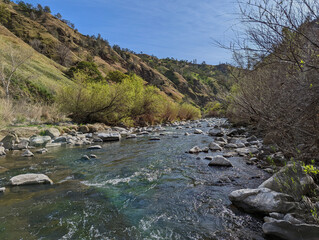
(16, 58)
(64, 54)
(58, 16)
(47, 9)
(277, 80)
(4, 14)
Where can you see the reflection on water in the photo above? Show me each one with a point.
(135, 189)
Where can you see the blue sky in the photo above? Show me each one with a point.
(182, 29)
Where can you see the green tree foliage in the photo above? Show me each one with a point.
(116, 76)
(47, 9)
(4, 14)
(89, 69)
(129, 101)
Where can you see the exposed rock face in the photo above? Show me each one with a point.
(291, 180)
(9, 141)
(287, 230)
(107, 137)
(220, 161)
(29, 179)
(262, 200)
(52, 132)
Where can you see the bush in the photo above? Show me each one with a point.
(130, 102)
(89, 69)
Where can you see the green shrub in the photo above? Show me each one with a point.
(89, 69)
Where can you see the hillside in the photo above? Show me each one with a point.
(56, 39)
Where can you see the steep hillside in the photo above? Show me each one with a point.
(58, 40)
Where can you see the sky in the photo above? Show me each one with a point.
(182, 29)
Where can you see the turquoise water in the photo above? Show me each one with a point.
(135, 189)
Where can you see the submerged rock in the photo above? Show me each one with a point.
(155, 139)
(42, 150)
(85, 157)
(290, 231)
(130, 136)
(30, 178)
(220, 161)
(53, 145)
(262, 200)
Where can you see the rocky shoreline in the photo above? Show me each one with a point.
(288, 200)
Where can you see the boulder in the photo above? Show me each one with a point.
(95, 147)
(2, 189)
(107, 137)
(291, 180)
(53, 145)
(215, 147)
(246, 151)
(9, 141)
(93, 156)
(85, 157)
(195, 149)
(220, 161)
(84, 129)
(22, 145)
(215, 132)
(252, 139)
(30, 178)
(205, 149)
(27, 153)
(39, 140)
(262, 200)
(198, 131)
(52, 132)
(2, 151)
(290, 231)
(231, 145)
(62, 139)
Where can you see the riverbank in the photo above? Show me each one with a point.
(214, 140)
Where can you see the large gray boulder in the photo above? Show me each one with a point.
(39, 140)
(10, 140)
(29, 179)
(52, 132)
(220, 161)
(195, 149)
(290, 231)
(291, 180)
(107, 137)
(262, 200)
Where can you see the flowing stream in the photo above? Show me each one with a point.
(135, 189)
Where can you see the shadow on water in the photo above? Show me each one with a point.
(135, 189)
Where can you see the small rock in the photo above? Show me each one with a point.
(155, 139)
(130, 136)
(186, 134)
(215, 147)
(27, 153)
(198, 131)
(93, 156)
(220, 161)
(42, 150)
(195, 150)
(231, 145)
(2, 151)
(95, 147)
(85, 157)
(52, 132)
(205, 149)
(209, 157)
(30, 178)
(216, 132)
(229, 154)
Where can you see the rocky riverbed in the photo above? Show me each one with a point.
(209, 159)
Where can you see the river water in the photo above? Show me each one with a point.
(135, 189)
